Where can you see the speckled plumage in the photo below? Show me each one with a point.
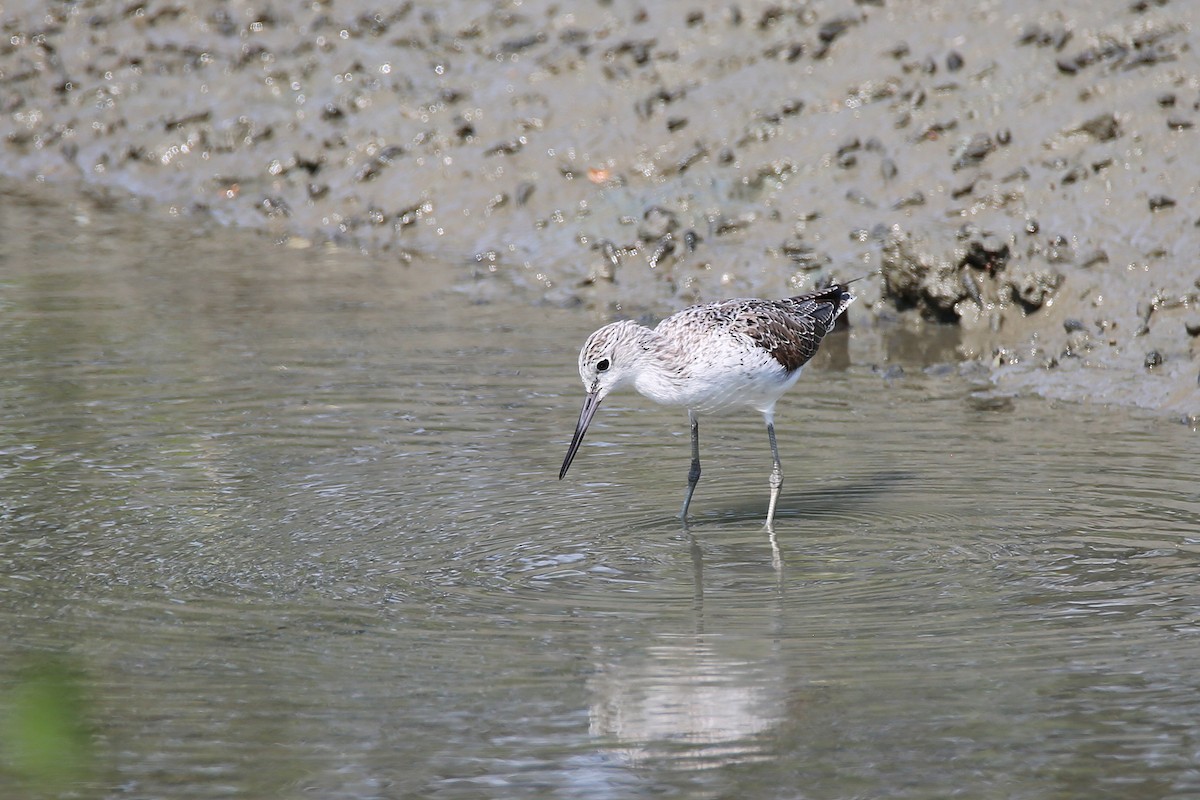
(711, 358)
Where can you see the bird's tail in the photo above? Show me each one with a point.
(826, 305)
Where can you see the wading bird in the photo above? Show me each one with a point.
(710, 358)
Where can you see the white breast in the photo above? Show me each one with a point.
(715, 379)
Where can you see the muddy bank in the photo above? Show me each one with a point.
(1024, 172)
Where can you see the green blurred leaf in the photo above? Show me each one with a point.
(45, 738)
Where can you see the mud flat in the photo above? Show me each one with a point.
(1026, 172)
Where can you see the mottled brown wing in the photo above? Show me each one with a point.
(792, 340)
(792, 329)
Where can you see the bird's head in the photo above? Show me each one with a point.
(610, 358)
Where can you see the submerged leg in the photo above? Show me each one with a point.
(776, 472)
(694, 472)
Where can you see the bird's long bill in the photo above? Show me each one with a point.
(590, 404)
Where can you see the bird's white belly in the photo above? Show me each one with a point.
(714, 390)
(757, 390)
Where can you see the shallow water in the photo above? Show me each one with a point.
(294, 520)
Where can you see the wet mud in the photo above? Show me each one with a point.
(1025, 172)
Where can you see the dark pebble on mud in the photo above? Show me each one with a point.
(973, 150)
(849, 146)
(1072, 325)
(1179, 123)
(1153, 359)
(727, 225)
(917, 198)
(1037, 35)
(464, 130)
(1160, 201)
(1103, 127)
(964, 190)
(831, 30)
(769, 17)
(791, 107)
(1075, 174)
(524, 43)
(1192, 326)
(523, 192)
(954, 61)
(506, 148)
(1069, 66)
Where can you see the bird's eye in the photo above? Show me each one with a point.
(602, 365)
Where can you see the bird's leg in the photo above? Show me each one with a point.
(694, 472)
(776, 473)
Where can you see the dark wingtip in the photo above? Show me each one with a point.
(836, 294)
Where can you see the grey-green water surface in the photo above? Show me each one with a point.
(293, 519)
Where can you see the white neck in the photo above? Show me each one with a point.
(660, 372)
